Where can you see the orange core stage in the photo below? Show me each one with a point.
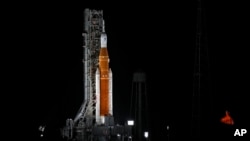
(104, 82)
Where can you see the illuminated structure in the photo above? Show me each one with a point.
(94, 120)
(139, 106)
(104, 104)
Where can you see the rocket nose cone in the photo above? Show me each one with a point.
(110, 72)
(103, 40)
(97, 71)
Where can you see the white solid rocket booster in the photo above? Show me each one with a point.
(110, 92)
(97, 109)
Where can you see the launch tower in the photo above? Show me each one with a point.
(94, 120)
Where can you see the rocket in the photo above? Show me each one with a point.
(104, 82)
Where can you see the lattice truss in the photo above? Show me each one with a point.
(93, 22)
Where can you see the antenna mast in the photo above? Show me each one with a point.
(201, 97)
(196, 106)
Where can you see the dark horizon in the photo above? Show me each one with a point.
(160, 41)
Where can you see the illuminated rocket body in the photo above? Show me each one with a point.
(104, 103)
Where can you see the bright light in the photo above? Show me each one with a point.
(41, 128)
(118, 135)
(167, 127)
(146, 134)
(41, 135)
(130, 122)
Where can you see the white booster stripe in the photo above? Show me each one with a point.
(97, 108)
(110, 92)
(102, 119)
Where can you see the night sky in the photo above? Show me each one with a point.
(158, 38)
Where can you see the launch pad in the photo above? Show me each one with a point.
(94, 120)
(93, 132)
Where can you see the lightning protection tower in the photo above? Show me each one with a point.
(139, 106)
(201, 97)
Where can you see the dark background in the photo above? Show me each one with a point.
(44, 62)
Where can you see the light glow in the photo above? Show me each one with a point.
(130, 122)
(146, 134)
(227, 119)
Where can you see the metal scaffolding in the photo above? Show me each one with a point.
(84, 126)
(93, 20)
